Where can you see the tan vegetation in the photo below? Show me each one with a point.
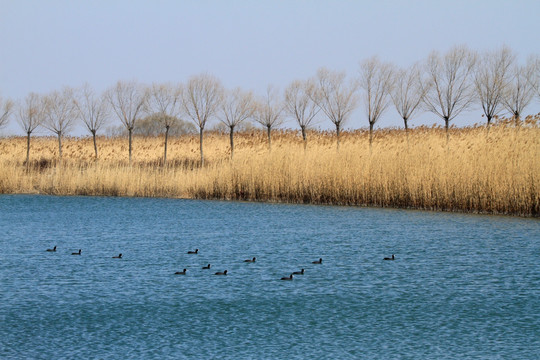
(495, 171)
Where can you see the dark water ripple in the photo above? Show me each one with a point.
(463, 286)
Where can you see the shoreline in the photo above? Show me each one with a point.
(278, 202)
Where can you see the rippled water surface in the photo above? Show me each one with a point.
(461, 287)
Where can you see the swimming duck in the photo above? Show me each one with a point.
(77, 253)
(117, 257)
(301, 272)
(317, 261)
(193, 252)
(287, 278)
(181, 272)
(250, 260)
(206, 267)
(390, 258)
(53, 249)
(221, 272)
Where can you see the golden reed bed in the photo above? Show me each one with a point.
(495, 172)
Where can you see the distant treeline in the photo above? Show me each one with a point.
(443, 84)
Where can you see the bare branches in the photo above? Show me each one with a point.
(520, 90)
(450, 87)
(236, 108)
(6, 107)
(165, 100)
(200, 100)
(376, 80)
(92, 110)
(491, 78)
(535, 80)
(30, 115)
(301, 103)
(408, 92)
(269, 111)
(335, 97)
(59, 114)
(128, 101)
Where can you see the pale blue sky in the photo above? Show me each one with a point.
(45, 45)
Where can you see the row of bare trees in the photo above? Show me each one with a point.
(444, 84)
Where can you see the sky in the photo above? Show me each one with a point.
(48, 44)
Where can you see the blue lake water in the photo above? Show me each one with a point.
(461, 287)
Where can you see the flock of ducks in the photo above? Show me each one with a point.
(224, 272)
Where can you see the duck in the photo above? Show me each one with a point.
(117, 257)
(301, 272)
(181, 272)
(193, 252)
(206, 267)
(317, 261)
(250, 260)
(77, 253)
(53, 249)
(221, 272)
(287, 278)
(390, 258)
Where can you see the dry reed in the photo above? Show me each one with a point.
(495, 172)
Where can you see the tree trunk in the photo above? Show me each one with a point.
(516, 118)
(446, 127)
(304, 138)
(405, 122)
(269, 129)
(165, 146)
(338, 131)
(28, 148)
(370, 136)
(130, 130)
(201, 145)
(95, 143)
(231, 136)
(59, 145)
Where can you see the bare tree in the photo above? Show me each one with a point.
(408, 92)
(269, 111)
(60, 114)
(335, 97)
(30, 115)
(92, 110)
(165, 100)
(301, 103)
(236, 108)
(128, 100)
(491, 78)
(449, 88)
(520, 90)
(6, 107)
(200, 100)
(376, 80)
